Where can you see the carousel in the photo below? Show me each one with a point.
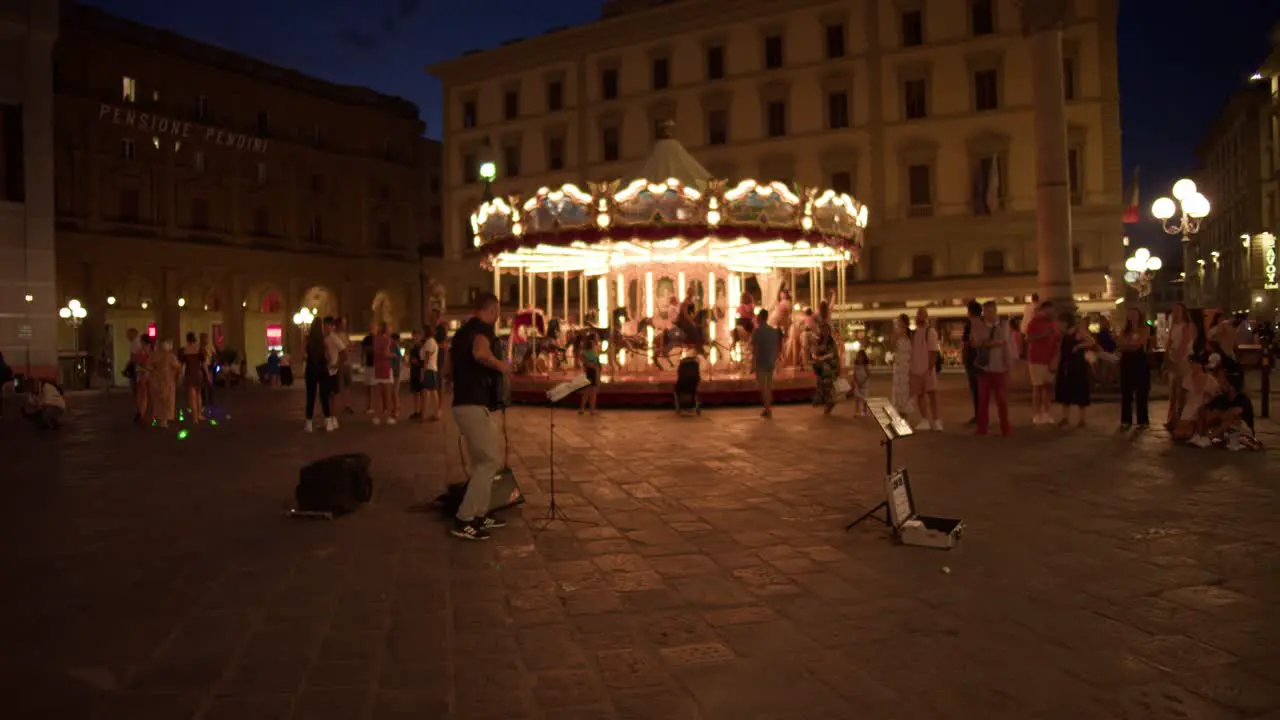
(671, 263)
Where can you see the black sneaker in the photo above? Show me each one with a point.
(492, 522)
(469, 530)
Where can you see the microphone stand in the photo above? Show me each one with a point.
(554, 512)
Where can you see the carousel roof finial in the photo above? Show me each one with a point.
(669, 159)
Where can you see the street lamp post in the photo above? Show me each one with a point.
(303, 319)
(1139, 270)
(73, 313)
(1191, 208)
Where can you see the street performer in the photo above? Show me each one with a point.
(479, 378)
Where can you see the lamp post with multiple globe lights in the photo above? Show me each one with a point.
(73, 314)
(303, 319)
(1190, 208)
(1140, 269)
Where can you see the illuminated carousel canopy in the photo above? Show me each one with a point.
(684, 217)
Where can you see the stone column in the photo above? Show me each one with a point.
(1042, 22)
(233, 313)
(169, 317)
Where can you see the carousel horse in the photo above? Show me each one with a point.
(527, 329)
(621, 341)
(688, 334)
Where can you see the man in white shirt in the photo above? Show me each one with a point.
(336, 347)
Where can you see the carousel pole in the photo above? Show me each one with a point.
(520, 290)
(566, 296)
(551, 293)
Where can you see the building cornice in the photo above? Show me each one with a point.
(641, 27)
(98, 22)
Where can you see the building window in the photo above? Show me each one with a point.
(128, 149)
(993, 262)
(717, 127)
(982, 16)
(470, 168)
(1076, 262)
(1073, 176)
(773, 52)
(919, 191)
(13, 182)
(469, 114)
(1069, 78)
(610, 150)
(915, 98)
(842, 182)
(715, 62)
(989, 185)
(202, 108)
(838, 110)
(776, 114)
(555, 96)
(555, 153)
(261, 221)
(921, 266)
(986, 90)
(835, 41)
(511, 105)
(912, 28)
(511, 160)
(200, 214)
(128, 89)
(384, 236)
(316, 232)
(661, 73)
(262, 173)
(609, 84)
(130, 205)
(264, 123)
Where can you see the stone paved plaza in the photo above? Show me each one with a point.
(1101, 576)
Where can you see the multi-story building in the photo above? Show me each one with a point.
(920, 108)
(1236, 175)
(28, 303)
(198, 190)
(1264, 278)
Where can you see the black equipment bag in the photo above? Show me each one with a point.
(688, 376)
(505, 492)
(336, 484)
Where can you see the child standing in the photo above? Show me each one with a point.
(861, 383)
(591, 366)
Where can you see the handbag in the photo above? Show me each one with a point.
(842, 387)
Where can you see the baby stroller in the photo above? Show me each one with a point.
(688, 377)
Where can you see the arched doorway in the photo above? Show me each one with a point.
(321, 301)
(385, 310)
(133, 309)
(264, 323)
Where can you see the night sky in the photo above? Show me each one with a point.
(1179, 59)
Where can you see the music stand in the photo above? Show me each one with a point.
(555, 395)
(894, 426)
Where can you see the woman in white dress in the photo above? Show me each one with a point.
(1179, 344)
(901, 345)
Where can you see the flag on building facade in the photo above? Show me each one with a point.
(1131, 212)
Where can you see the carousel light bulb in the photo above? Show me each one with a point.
(602, 220)
(476, 241)
(713, 217)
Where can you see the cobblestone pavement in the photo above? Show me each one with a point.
(1102, 576)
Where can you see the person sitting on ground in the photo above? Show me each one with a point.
(1199, 386)
(1229, 417)
(44, 404)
